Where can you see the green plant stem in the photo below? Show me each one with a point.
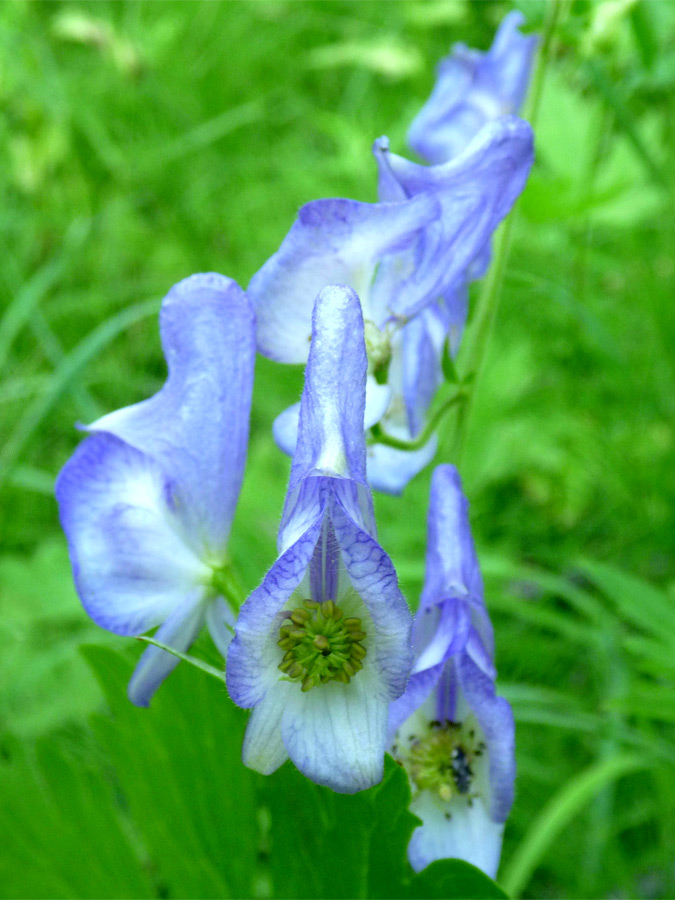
(381, 437)
(226, 582)
(186, 657)
(474, 350)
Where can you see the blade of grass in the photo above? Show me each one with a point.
(64, 375)
(559, 812)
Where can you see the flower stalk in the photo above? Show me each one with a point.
(474, 349)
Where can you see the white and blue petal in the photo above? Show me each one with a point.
(330, 434)
(179, 631)
(147, 499)
(476, 190)
(450, 702)
(452, 567)
(334, 731)
(332, 242)
(470, 834)
(285, 427)
(253, 656)
(196, 426)
(471, 89)
(336, 736)
(131, 563)
(495, 717)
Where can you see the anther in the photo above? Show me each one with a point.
(321, 642)
(355, 635)
(300, 616)
(327, 609)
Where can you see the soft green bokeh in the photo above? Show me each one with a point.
(141, 142)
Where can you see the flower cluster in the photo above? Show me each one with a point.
(370, 296)
(449, 730)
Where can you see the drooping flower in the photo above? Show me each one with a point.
(322, 646)
(400, 255)
(492, 170)
(473, 88)
(148, 498)
(451, 732)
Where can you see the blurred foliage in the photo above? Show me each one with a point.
(167, 810)
(142, 142)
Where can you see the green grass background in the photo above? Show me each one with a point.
(141, 142)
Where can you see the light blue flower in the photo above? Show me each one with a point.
(322, 646)
(402, 256)
(454, 736)
(148, 498)
(473, 88)
(476, 190)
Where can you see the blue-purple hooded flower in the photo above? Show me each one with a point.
(322, 646)
(407, 257)
(476, 191)
(472, 89)
(449, 729)
(147, 500)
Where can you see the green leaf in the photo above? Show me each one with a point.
(639, 602)
(561, 809)
(62, 832)
(454, 878)
(41, 625)
(179, 768)
(329, 845)
(324, 844)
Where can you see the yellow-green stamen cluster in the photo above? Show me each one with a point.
(320, 644)
(441, 762)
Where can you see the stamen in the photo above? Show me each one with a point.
(442, 761)
(320, 645)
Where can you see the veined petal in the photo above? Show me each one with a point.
(264, 749)
(439, 632)
(417, 692)
(337, 736)
(331, 438)
(390, 470)
(451, 632)
(196, 426)
(495, 717)
(253, 656)
(304, 508)
(452, 567)
(220, 621)
(285, 427)
(131, 564)
(469, 834)
(179, 631)
(373, 577)
(332, 242)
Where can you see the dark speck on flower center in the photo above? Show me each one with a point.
(442, 762)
